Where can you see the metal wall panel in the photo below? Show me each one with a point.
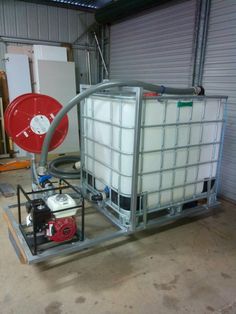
(32, 21)
(21, 20)
(2, 24)
(63, 25)
(2, 54)
(81, 67)
(73, 26)
(155, 47)
(53, 24)
(43, 22)
(9, 18)
(220, 78)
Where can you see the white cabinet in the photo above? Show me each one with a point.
(57, 79)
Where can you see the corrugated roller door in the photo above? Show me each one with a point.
(155, 47)
(220, 78)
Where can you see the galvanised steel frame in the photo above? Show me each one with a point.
(174, 207)
(138, 206)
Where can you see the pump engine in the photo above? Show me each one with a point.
(53, 217)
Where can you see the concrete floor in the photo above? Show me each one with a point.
(188, 267)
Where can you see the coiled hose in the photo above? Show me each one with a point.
(54, 167)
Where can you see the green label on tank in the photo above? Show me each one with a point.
(184, 104)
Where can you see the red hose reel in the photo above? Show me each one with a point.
(28, 118)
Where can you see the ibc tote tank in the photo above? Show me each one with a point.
(179, 149)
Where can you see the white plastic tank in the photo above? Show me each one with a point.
(179, 145)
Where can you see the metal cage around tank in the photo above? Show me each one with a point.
(146, 159)
(155, 157)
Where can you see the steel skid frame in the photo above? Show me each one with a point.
(141, 216)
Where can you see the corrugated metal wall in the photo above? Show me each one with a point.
(155, 47)
(2, 53)
(41, 22)
(220, 78)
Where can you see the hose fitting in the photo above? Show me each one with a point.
(101, 196)
(199, 90)
(97, 197)
(42, 170)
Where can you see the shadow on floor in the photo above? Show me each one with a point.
(112, 263)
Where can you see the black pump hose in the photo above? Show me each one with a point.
(55, 171)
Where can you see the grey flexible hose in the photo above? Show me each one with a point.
(34, 171)
(110, 84)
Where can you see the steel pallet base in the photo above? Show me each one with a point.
(26, 257)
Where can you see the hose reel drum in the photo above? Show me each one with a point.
(28, 118)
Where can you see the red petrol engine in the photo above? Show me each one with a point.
(61, 229)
